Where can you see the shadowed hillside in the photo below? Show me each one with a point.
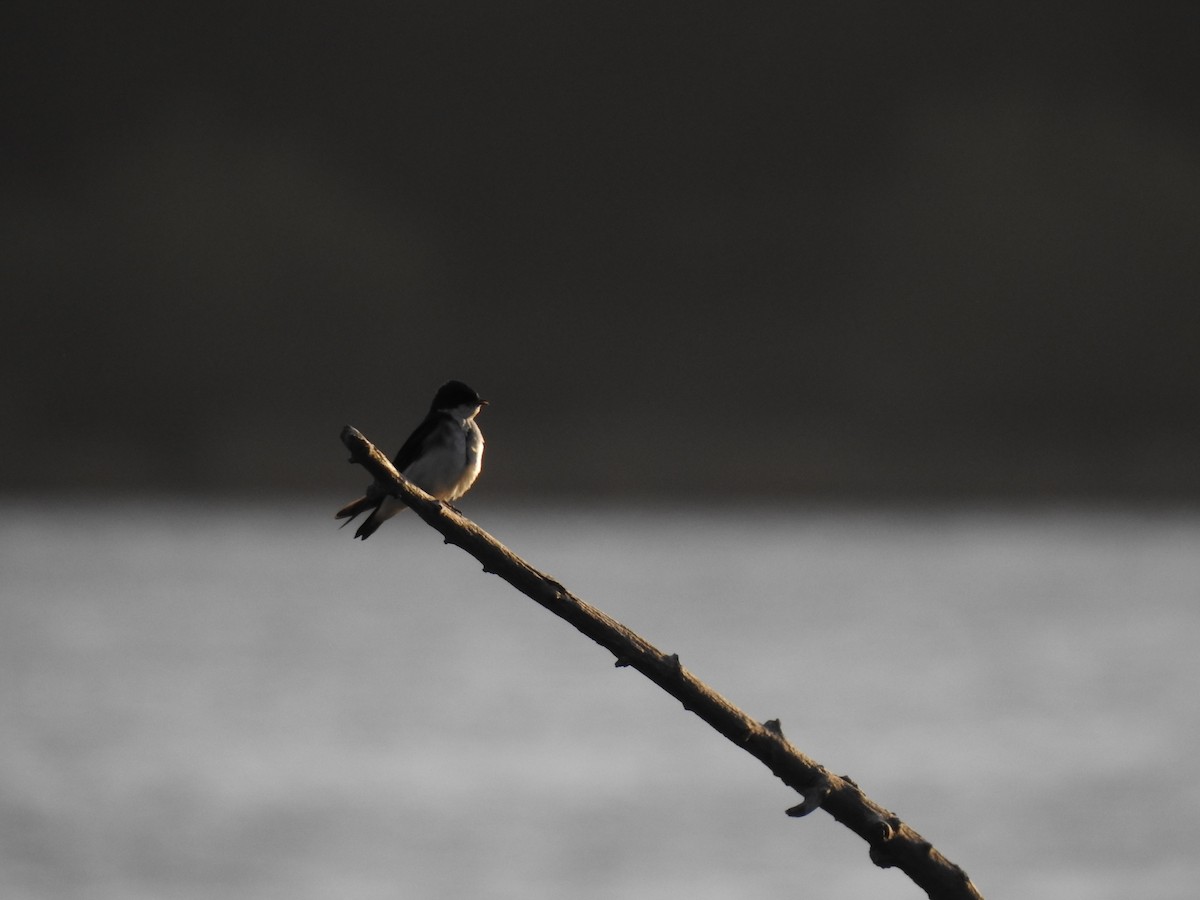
(821, 251)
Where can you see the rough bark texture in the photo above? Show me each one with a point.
(892, 843)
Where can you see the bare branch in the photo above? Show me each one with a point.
(892, 843)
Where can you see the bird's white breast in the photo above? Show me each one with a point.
(451, 461)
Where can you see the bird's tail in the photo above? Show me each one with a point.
(370, 525)
(355, 508)
(382, 509)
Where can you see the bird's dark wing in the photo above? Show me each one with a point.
(415, 445)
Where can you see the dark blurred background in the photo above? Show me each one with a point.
(686, 249)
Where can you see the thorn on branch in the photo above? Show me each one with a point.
(814, 795)
(882, 855)
(773, 726)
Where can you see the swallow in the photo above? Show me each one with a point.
(442, 457)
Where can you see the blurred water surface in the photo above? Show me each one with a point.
(241, 702)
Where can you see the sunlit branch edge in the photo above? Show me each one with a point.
(892, 843)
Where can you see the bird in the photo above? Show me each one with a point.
(442, 457)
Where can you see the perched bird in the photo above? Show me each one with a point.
(442, 457)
